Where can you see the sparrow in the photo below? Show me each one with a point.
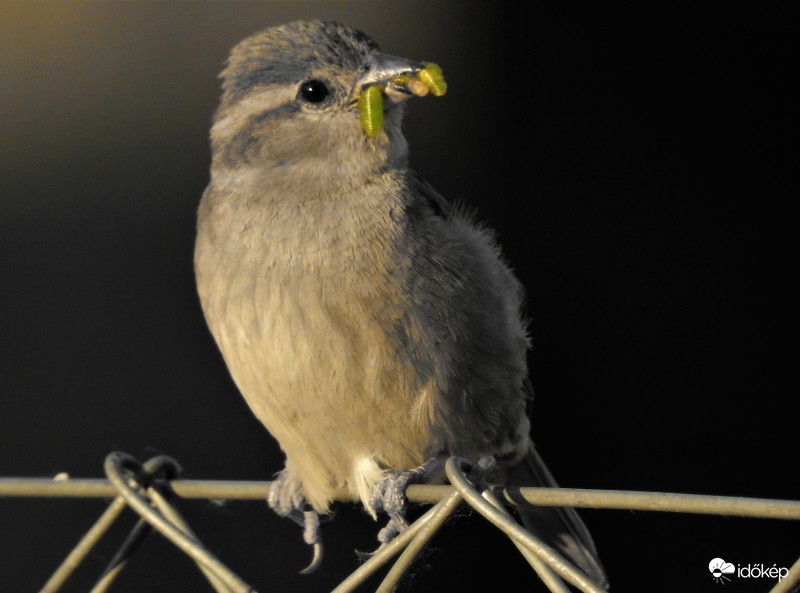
(371, 326)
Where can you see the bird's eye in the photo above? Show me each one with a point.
(314, 91)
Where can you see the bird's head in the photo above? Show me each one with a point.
(314, 100)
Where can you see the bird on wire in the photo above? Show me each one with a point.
(373, 328)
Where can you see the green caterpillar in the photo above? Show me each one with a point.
(370, 110)
(432, 77)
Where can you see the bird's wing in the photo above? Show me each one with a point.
(431, 197)
(560, 527)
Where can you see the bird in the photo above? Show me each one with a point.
(373, 327)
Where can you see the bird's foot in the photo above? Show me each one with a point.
(389, 495)
(286, 498)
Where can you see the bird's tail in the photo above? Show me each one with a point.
(559, 527)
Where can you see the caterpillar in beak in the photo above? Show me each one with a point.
(419, 83)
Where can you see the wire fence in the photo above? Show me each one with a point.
(151, 489)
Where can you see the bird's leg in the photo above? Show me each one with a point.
(286, 498)
(389, 495)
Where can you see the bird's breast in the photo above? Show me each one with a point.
(302, 304)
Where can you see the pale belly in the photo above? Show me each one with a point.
(323, 376)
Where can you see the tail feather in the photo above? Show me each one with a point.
(559, 527)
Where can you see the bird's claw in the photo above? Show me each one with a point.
(364, 556)
(316, 559)
(389, 495)
(397, 524)
(288, 501)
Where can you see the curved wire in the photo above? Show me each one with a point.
(116, 465)
(145, 486)
(427, 531)
(515, 531)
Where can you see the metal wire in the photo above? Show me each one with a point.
(116, 465)
(548, 576)
(84, 546)
(426, 532)
(431, 520)
(120, 560)
(515, 531)
(146, 488)
(789, 583)
(425, 494)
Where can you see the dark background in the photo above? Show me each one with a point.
(635, 163)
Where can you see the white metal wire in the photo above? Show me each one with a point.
(150, 488)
